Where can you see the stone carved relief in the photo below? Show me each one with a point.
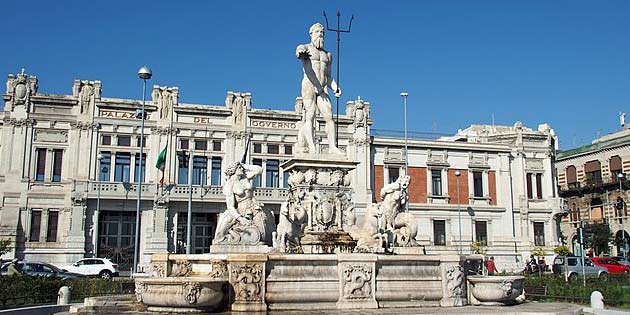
(141, 287)
(181, 268)
(21, 88)
(84, 125)
(534, 164)
(247, 282)
(192, 291)
(219, 269)
(163, 131)
(319, 201)
(158, 270)
(27, 122)
(385, 225)
(239, 103)
(455, 282)
(357, 282)
(244, 221)
(507, 286)
(165, 98)
(87, 92)
(51, 135)
(478, 159)
(78, 198)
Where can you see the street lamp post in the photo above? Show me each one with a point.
(404, 96)
(145, 74)
(621, 176)
(459, 211)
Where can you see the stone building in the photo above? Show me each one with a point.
(504, 195)
(71, 164)
(593, 181)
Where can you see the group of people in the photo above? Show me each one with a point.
(533, 266)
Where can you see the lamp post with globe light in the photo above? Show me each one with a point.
(624, 248)
(145, 74)
(404, 96)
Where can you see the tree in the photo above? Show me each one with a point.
(597, 236)
(562, 250)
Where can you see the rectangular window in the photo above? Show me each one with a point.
(539, 193)
(182, 169)
(124, 141)
(257, 181)
(36, 222)
(106, 140)
(439, 232)
(481, 232)
(288, 149)
(200, 170)
(216, 145)
(51, 230)
(257, 148)
(57, 162)
(122, 167)
(539, 233)
(136, 172)
(530, 193)
(478, 184)
(285, 180)
(40, 172)
(201, 145)
(105, 166)
(273, 149)
(273, 173)
(393, 174)
(144, 142)
(216, 171)
(183, 144)
(436, 182)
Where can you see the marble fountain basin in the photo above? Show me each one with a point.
(181, 295)
(495, 290)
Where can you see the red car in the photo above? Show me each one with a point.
(614, 268)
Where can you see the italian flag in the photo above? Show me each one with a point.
(160, 164)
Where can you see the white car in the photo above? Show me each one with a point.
(94, 267)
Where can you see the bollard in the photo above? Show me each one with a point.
(597, 300)
(63, 296)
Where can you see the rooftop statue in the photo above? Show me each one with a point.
(316, 64)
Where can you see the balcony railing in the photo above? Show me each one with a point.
(592, 183)
(117, 190)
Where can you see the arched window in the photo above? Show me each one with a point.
(615, 166)
(571, 175)
(593, 172)
(575, 213)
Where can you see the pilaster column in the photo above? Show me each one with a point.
(247, 277)
(453, 282)
(357, 281)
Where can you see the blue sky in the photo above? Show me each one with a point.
(566, 63)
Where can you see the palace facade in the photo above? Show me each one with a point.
(70, 166)
(593, 180)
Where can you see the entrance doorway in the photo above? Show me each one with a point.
(203, 226)
(116, 237)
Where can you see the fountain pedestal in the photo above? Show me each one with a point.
(319, 209)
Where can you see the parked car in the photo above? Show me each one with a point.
(573, 268)
(614, 268)
(621, 260)
(39, 269)
(94, 267)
